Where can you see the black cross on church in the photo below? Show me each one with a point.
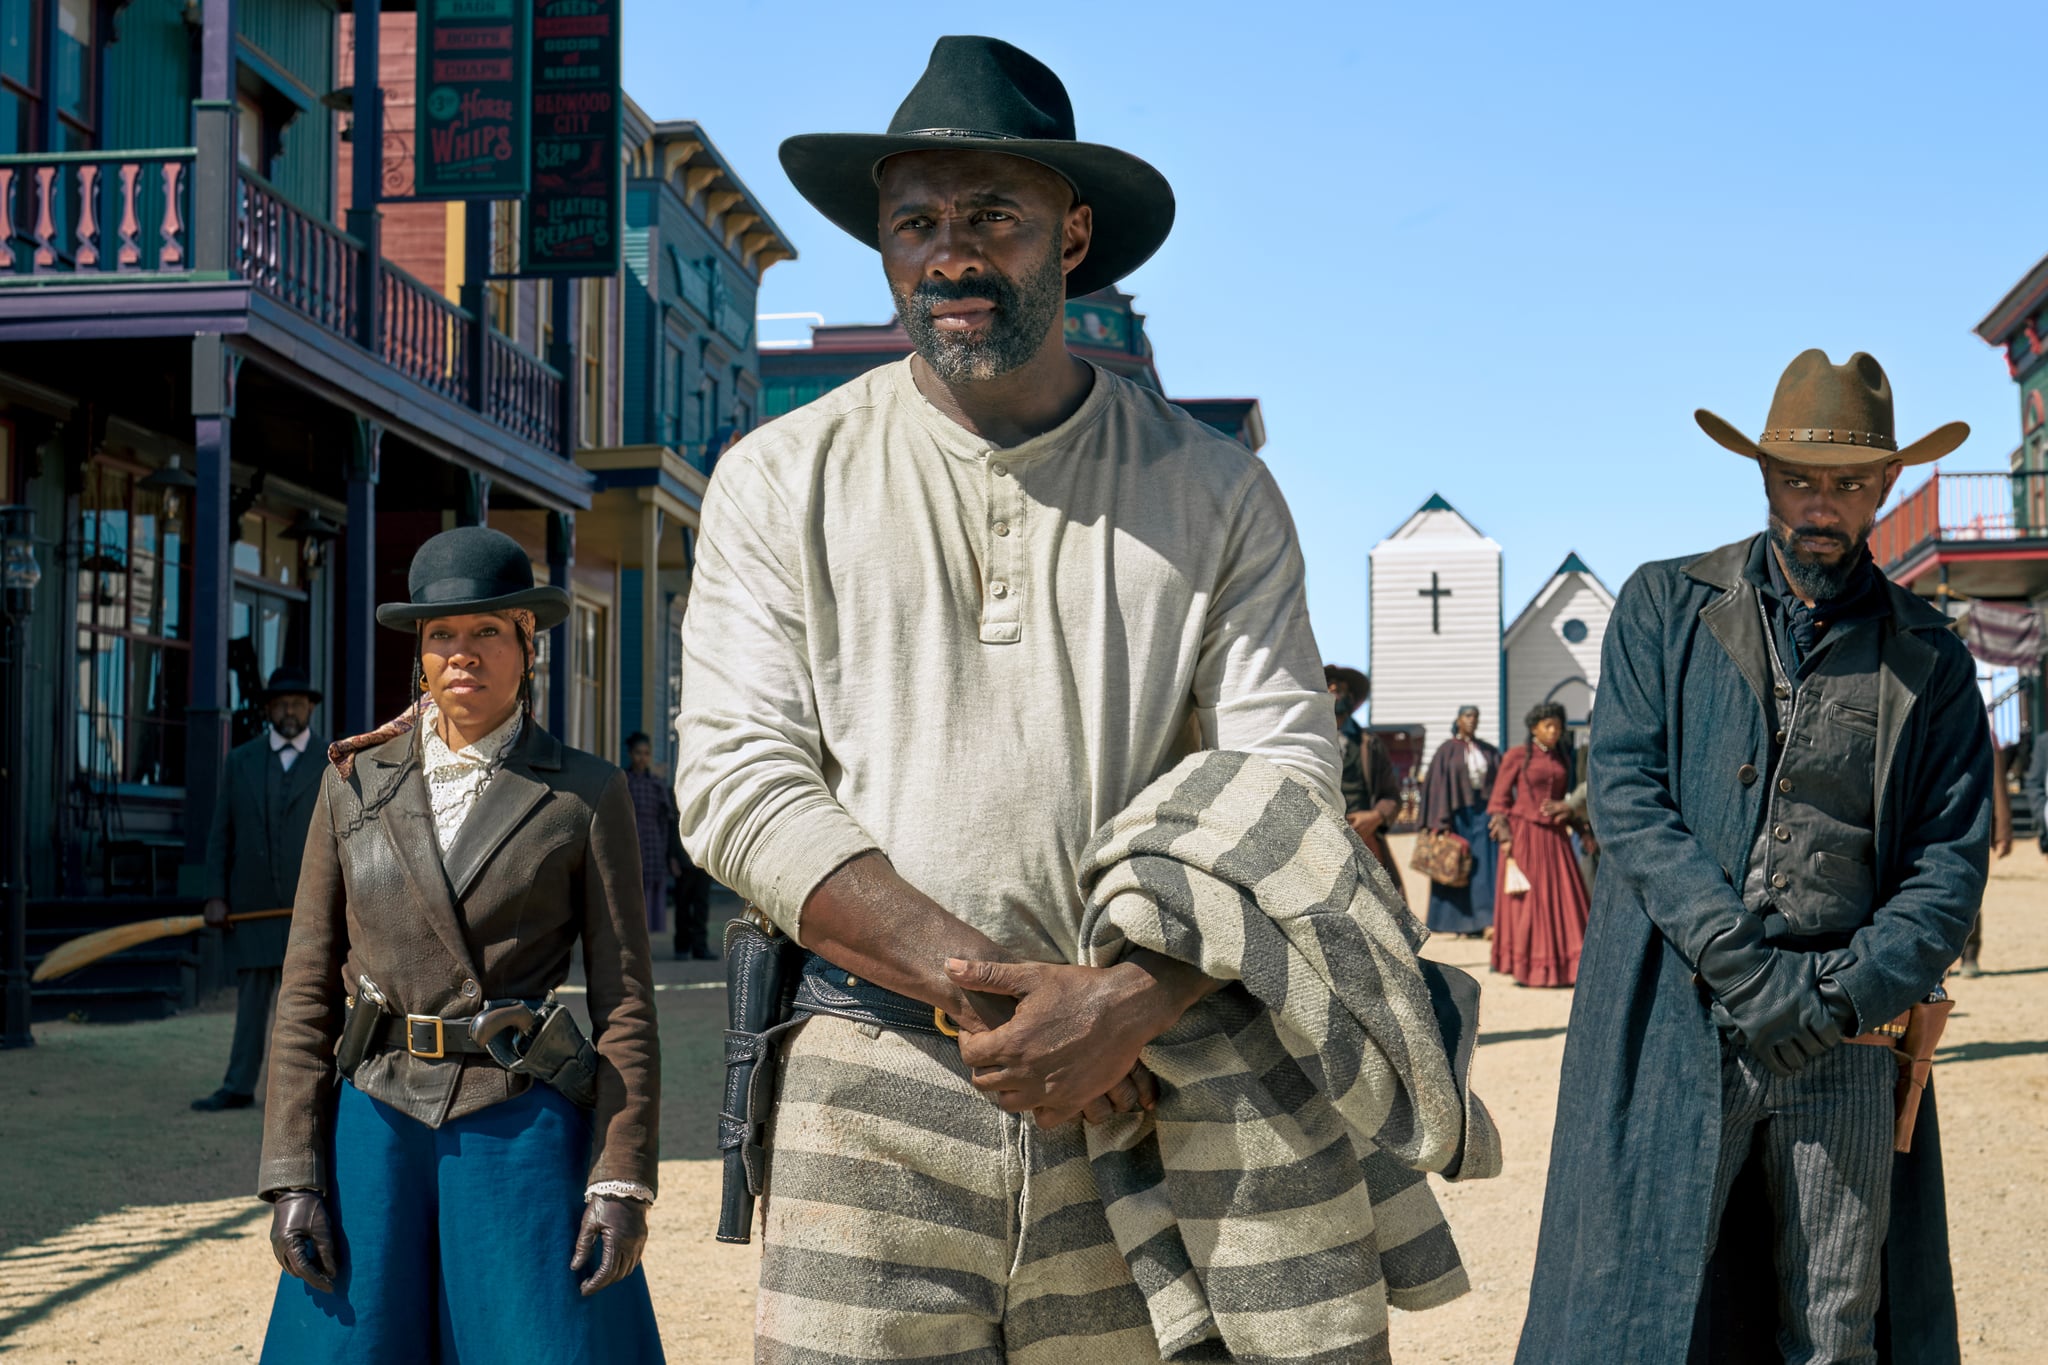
(1436, 596)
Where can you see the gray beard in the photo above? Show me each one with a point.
(1025, 311)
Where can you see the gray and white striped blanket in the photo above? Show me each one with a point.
(1274, 1203)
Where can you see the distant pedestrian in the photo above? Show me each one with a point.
(1791, 778)
(1454, 797)
(1371, 787)
(1539, 916)
(654, 818)
(269, 788)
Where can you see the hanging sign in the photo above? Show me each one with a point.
(470, 141)
(570, 224)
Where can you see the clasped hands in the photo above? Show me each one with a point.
(1783, 1005)
(613, 1235)
(1062, 1041)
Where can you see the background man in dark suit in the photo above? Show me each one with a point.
(252, 863)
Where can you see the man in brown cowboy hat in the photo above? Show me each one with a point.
(948, 620)
(1791, 779)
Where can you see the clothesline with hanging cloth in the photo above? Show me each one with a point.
(2006, 635)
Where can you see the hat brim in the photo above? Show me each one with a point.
(1928, 448)
(1133, 204)
(548, 603)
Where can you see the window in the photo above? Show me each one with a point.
(672, 396)
(1574, 631)
(74, 74)
(133, 655)
(586, 679)
(590, 360)
(543, 651)
(500, 294)
(249, 133)
(21, 46)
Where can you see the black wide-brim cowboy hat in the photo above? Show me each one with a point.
(288, 682)
(470, 571)
(1826, 414)
(981, 94)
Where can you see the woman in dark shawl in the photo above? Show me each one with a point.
(1454, 800)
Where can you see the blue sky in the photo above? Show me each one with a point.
(1499, 252)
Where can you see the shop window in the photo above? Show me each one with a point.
(586, 678)
(590, 350)
(21, 84)
(73, 83)
(268, 622)
(133, 653)
(501, 295)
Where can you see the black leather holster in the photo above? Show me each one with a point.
(761, 968)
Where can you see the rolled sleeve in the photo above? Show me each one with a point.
(756, 811)
(1259, 682)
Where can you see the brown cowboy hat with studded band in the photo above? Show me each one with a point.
(982, 94)
(1828, 414)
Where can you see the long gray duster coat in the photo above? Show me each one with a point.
(1681, 744)
(257, 840)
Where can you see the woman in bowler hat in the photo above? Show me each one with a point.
(438, 1194)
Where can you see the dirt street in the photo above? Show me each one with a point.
(127, 1233)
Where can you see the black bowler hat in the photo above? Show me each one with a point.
(468, 571)
(983, 94)
(288, 682)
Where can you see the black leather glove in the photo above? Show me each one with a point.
(1773, 998)
(615, 1230)
(302, 1239)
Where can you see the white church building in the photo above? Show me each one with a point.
(1436, 626)
(1553, 647)
(1437, 639)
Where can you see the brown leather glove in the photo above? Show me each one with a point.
(302, 1239)
(616, 1231)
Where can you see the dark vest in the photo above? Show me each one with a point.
(1814, 858)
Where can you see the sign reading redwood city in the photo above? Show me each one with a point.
(471, 140)
(570, 224)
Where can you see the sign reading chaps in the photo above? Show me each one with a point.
(471, 135)
(571, 221)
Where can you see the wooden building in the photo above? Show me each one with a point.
(1435, 596)
(1552, 648)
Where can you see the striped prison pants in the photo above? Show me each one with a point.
(1826, 1145)
(907, 1218)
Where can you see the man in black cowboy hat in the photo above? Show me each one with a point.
(947, 620)
(267, 795)
(1791, 778)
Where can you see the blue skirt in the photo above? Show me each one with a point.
(455, 1244)
(1467, 909)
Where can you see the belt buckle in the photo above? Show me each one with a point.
(413, 1021)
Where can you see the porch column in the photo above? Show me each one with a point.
(366, 168)
(206, 712)
(653, 651)
(561, 563)
(213, 209)
(474, 499)
(357, 675)
(476, 270)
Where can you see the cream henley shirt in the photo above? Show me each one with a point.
(901, 637)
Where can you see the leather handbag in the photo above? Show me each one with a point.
(1443, 857)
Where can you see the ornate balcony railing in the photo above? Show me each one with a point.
(96, 213)
(524, 394)
(1962, 507)
(294, 257)
(424, 335)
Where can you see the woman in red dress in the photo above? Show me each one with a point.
(1538, 933)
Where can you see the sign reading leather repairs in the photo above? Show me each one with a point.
(470, 141)
(570, 225)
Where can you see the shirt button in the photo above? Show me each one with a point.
(469, 989)
(1782, 833)
(1779, 880)
(999, 469)
(1002, 528)
(1746, 774)
(999, 589)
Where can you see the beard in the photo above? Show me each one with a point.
(288, 728)
(1810, 575)
(1024, 312)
